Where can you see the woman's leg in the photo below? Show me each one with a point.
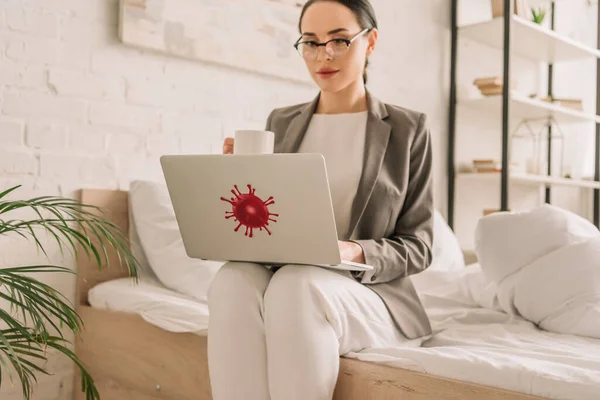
(236, 337)
(312, 316)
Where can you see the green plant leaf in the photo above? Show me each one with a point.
(87, 383)
(66, 212)
(7, 191)
(43, 299)
(538, 14)
(76, 228)
(10, 353)
(21, 348)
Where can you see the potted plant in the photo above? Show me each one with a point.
(32, 324)
(538, 14)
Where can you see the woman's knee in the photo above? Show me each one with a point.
(239, 281)
(292, 285)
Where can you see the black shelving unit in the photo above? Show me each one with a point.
(505, 173)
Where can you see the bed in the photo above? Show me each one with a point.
(130, 357)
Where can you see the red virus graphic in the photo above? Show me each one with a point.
(250, 210)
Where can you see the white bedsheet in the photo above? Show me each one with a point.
(490, 347)
(470, 343)
(155, 303)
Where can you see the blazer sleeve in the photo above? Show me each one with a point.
(408, 250)
(269, 119)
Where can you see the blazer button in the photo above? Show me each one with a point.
(373, 278)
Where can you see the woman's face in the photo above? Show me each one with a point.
(327, 20)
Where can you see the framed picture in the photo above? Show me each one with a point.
(254, 35)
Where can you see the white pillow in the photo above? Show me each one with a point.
(161, 241)
(506, 242)
(559, 292)
(144, 270)
(446, 250)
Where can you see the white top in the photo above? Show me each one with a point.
(340, 138)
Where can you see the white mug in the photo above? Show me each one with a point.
(253, 142)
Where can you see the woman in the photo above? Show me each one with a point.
(278, 335)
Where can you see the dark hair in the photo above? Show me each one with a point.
(363, 11)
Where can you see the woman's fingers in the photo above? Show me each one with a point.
(228, 146)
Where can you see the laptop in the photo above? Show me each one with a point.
(272, 209)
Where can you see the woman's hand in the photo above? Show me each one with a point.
(228, 146)
(350, 251)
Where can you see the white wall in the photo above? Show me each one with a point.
(78, 109)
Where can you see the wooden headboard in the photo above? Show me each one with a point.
(114, 203)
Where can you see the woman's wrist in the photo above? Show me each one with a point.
(351, 251)
(359, 255)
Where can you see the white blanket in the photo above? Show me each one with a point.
(543, 265)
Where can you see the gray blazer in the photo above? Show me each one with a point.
(392, 214)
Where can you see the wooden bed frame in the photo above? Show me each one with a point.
(132, 359)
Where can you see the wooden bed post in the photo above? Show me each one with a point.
(115, 206)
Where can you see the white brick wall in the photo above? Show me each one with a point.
(12, 132)
(78, 109)
(34, 106)
(86, 85)
(33, 21)
(130, 117)
(17, 163)
(22, 76)
(50, 137)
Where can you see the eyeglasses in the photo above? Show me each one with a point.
(335, 48)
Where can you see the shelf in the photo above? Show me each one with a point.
(530, 40)
(526, 108)
(528, 179)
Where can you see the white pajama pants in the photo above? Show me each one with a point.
(279, 336)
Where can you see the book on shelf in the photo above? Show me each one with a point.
(485, 166)
(485, 87)
(490, 211)
(492, 85)
(575, 104)
(489, 81)
(492, 91)
(487, 170)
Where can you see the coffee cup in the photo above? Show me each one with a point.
(253, 142)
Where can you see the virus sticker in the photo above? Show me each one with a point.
(250, 210)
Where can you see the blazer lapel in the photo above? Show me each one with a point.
(376, 141)
(297, 128)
